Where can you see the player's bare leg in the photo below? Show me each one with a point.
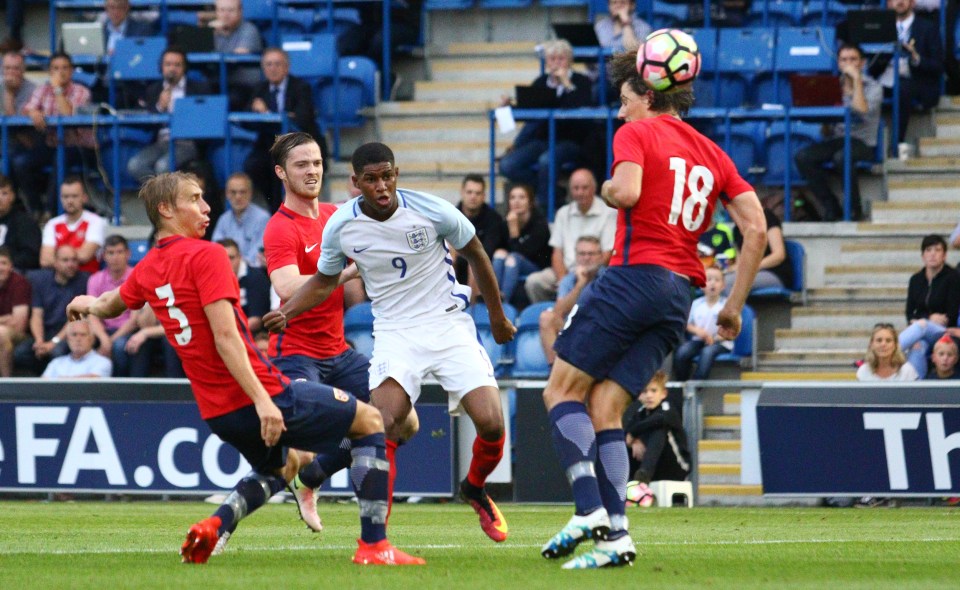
(483, 407)
(369, 475)
(576, 445)
(399, 423)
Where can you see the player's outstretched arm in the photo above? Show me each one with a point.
(107, 305)
(623, 190)
(311, 294)
(503, 330)
(231, 349)
(747, 213)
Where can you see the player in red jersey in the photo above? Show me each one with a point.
(666, 180)
(244, 399)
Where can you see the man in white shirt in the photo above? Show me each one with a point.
(82, 361)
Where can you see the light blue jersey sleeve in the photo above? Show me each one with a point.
(452, 225)
(332, 258)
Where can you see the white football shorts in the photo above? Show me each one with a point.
(447, 349)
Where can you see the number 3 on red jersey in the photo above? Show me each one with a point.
(186, 332)
(698, 193)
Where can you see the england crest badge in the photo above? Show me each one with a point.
(417, 239)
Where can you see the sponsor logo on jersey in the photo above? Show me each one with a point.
(308, 249)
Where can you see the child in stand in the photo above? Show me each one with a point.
(703, 326)
(945, 356)
(656, 441)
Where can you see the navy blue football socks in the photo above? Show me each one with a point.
(612, 467)
(576, 446)
(250, 493)
(325, 465)
(369, 474)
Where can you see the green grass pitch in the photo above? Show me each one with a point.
(107, 545)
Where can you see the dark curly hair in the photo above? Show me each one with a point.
(623, 70)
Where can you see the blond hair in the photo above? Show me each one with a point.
(659, 379)
(163, 188)
(898, 359)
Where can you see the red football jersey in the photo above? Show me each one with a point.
(683, 174)
(177, 278)
(291, 238)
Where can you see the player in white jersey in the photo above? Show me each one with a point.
(397, 239)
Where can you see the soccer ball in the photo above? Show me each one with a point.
(639, 494)
(668, 60)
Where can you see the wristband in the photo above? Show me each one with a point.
(55, 340)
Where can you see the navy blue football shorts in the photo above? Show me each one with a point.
(625, 324)
(349, 371)
(317, 418)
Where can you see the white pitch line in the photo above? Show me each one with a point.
(274, 548)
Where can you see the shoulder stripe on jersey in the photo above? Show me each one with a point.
(627, 235)
(173, 241)
(248, 337)
(356, 208)
(402, 198)
(284, 213)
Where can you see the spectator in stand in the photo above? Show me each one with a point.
(589, 265)
(116, 256)
(490, 227)
(245, 222)
(527, 160)
(863, 95)
(945, 357)
(933, 300)
(82, 361)
(18, 232)
(775, 269)
(235, 35)
(133, 354)
(15, 90)
(14, 39)
(885, 360)
(159, 98)
(586, 215)
(118, 24)
(704, 345)
(921, 63)
(279, 92)
(656, 441)
(51, 290)
(528, 248)
(58, 96)
(254, 286)
(621, 30)
(14, 310)
(76, 227)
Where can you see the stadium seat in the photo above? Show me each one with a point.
(666, 492)
(801, 135)
(705, 84)
(835, 12)
(134, 59)
(798, 50)
(130, 141)
(138, 249)
(447, 4)
(183, 17)
(258, 11)
(295, 21)
(241, 144)
(505, 3)
(553, 3)
(745, 346)
(358, 327)
(341, 21)
(358, 89)
(529, 360)
(312, 56)
(665, 15)
(499, 353)
(198, 117)
(743, 145)
(797, 257)
(742, 56)
(780, 13)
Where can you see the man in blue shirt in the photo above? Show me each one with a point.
(245, 222)
(82, 361)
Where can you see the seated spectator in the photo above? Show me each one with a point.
(775, 269)
(586, 215)
(254, 286)
(528, 249)
(921, 63)
(116, 258)
(15, 89)
(933, 299)
(76, 227)
(863, 95)
(589, 265)
(18, 232)
(234, 35)
(133, 354)
(59, 96)
(14, 40)
(527, 160)
(245, 222)
(945, 356)
(83, 361)
(279, 92)
(14, 310)
(118, 24)
(159, 97)
(885, 360)
(702, 326)
(621, 30)
(490, 227)
(51, 290)
(655, 438)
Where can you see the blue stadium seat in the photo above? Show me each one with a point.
(358, 77)
(529, 359)
(780, 13)
(743, 144)
(551, 3)
(705, 84)
(138, 249)
(184, 17)
(312, 56)
(447, 4)
(88, 79)
(131, 141)
(798, 50)
(198, 117)
(745, 346)
(499, 354)
(295, 20)
(505, 3)
(241, 144)
(258, 11)
(358, 327)
(801, 134)
(343, 20)
(835, 12)
(665, 15)
(797, 257)
(135, 59)
(742, 56)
